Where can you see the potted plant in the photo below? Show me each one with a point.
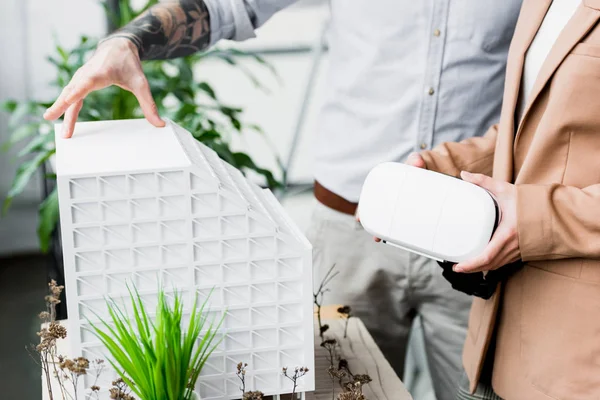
(161, 357)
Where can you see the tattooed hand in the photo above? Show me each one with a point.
(167, 30)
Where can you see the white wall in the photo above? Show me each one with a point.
(28, 29)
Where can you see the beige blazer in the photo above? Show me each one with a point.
(547, 316)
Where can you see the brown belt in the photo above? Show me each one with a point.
(332, 200)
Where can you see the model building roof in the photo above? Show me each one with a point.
(116, 146)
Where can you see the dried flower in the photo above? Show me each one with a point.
(351, 396)
(329, 342)
(344, 310)
(49, 334)
(77, 366)
(363, 379)
(343, 364)
(299, 372)
(241, 374)
(256, 395)
(120, 390)
(354, 390)
(53, 364)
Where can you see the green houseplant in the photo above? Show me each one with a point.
(193, 103)
(158, 358)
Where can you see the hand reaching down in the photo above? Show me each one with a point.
(115, 62)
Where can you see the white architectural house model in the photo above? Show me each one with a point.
(147, 205)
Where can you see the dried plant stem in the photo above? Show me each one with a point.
(46, 370)
(94, 388)
(346, 328)
(74, 381)
(298, 373)
(320, 294)
(241, 374)
(45, 354)
(345, 312)
(61, 384)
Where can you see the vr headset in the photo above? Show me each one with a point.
(433, 215)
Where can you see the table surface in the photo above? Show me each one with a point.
(363, 356)
(358, 348)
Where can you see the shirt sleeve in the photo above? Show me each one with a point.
(237, 19)
(474, 155)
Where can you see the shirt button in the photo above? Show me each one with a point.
(423, 146)
(437, 32)
(431, 91)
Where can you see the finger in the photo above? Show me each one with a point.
(487, 258)
(501, 259)
(75, 91)
(508, 256)
(56, 110)
(415, 160)
(83, 87)
(481, 180)
(504, 258)
(71, 115)
(141, 90)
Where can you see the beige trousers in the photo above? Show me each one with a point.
(387, 287)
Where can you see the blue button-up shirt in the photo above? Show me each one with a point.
(404, 75)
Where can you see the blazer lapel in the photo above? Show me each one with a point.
(530, 19)
(579, 25)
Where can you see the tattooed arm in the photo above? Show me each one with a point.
(172, 28)
(168, 30)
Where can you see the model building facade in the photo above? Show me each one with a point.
(144, 205)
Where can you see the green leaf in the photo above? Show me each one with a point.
(21, 110)
(160, 358)
(63, 53)
(110, 14)
(185, 72)
(20, 133)
(126, 13)
(38, 143)
(208, 136)
(184, 110)
(243, 160)
(9, 105)
(23, 176)
(48, 219)
(206, 88)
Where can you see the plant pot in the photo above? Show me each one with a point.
(195, 396)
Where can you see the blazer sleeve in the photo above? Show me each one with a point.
(556, 221)
(474, 155)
